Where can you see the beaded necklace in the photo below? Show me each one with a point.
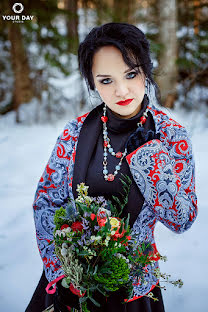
(108, 148)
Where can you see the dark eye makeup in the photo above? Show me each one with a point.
(130, 75)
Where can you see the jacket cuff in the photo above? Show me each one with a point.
(129, 156)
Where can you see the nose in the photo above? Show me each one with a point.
(121, 90)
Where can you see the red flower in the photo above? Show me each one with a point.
(101, 222)
(77, 226)
(101, 219)
(92, 216)
(119, 235)
(128, 237)
(64, 226)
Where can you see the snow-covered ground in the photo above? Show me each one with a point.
(24, 153)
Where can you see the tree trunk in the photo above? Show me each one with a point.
(23, 89)
(168, 72)
(72, 25)
(196, 16)
(124, 11)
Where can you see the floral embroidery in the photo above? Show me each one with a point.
(163, 170)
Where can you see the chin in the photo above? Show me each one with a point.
(128, 111)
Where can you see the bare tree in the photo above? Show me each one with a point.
(124, 11)
(167, 78)
(23, 89)
(72, 24)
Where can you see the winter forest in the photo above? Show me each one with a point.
(41, 89)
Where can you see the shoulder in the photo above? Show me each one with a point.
(162, 118)
(171, 132)
(164, 123)
(73, 127)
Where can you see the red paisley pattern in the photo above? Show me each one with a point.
(163, 170)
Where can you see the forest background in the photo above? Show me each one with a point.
(36, 54)
(41, 89)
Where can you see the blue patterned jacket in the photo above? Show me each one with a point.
(163, 170)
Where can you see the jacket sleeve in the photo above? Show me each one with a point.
(165, 174)
(52, 193)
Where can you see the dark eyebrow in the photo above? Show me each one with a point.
(126, 71)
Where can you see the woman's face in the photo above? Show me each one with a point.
(116, 82)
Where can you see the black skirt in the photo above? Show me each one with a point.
(41, 300)
(143, 304)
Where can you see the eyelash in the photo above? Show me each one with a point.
(133, 72)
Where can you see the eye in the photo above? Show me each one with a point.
(106, 81)
(132, 75)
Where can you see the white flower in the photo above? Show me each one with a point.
(79, 199)
(58, 232)
(88, 199)
(104, 211)
(98, 238)
(118, 255)
(64, 252)
(106, 242)
(113, 232)
(83, 200)
(64, 245)
(82, 187)
(67, 230)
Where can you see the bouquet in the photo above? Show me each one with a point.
(96, 248)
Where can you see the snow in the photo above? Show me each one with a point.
(25, 150)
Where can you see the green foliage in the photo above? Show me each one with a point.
(156, 47)
(121, 203)
(117, 275)
(185, 64)
(59, 218)
(84, 306)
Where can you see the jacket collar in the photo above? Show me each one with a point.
(89, 133)
(86, 143)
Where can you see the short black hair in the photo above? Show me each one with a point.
(129, 39)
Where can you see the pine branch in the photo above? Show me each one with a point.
(126, 181)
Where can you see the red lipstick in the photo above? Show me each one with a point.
(123, 103)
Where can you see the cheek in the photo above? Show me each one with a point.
(139, 87)
(105, 93)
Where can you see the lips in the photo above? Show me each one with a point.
(123, 103)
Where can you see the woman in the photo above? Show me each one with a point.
(126, 134)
